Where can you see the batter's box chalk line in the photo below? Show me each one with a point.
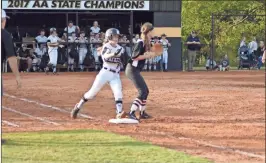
(45, 105)
(10, 123)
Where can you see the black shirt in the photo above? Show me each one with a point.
(193, 47)
(8, 49)
(139, 49)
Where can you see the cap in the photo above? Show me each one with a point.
(4, 15)
(163, 35)
(193, 32)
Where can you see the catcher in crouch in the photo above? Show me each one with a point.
(141, 52)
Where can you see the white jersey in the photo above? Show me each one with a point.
(41, 39)
(39, 52)
(113, 63)
(53, 39)
(165, 44)
(95, 29)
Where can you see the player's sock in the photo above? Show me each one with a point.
(136, 104)
(165, 66)
(81, 102)
(119, 106)
(143, 106)
(54, 68)
(154, 66)
(150, 67)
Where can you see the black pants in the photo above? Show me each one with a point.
(134, 75)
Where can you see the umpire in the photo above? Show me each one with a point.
(8, 51)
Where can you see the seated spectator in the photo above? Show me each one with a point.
(225, 64)
(71, 28)
(41, 39)
(25, 58)
(95, 28)
(211, 65)
(38, 53)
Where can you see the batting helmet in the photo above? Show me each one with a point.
(111, 32)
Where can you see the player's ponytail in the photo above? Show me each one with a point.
(145, 29)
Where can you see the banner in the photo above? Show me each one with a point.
(76, 4)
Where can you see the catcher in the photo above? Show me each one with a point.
(141, 52)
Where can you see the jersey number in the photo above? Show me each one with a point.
(18, 3)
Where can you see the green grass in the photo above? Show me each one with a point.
(85, 146)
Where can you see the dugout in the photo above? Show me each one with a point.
(33, 15)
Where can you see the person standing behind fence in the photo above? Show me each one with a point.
(41, 39)
(193, 44)
(71, 28)
(165, 44)
(96, 43)
(72, 51)
(52, 43)
(8, 52)
(83, 50)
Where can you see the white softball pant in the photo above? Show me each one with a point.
(53, 55)
(82, 55)
(165, 57)
(106, 76)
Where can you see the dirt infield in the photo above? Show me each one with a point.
(216, 115)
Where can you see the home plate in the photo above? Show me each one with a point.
(124, 121)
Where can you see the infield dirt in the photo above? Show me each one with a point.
(226, 109)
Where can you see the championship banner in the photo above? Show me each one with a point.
(76, 4)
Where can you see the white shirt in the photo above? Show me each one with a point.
(242, 43)
(53, 39)
(95, 30)
(113, 63)
(41, 39)
(70, 29)
(253, 46)
(165, 44)
(39, 52)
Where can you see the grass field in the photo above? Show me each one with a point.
(86, 146)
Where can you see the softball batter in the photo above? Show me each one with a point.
(141, 52)
(111, 53)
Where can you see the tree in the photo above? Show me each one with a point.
(196, 15)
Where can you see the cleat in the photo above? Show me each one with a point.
(132, 115)
(74, 112)
(55, 73)
(121, 115)
(144, 115)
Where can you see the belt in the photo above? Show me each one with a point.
(111, 70)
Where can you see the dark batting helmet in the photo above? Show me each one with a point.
(110, 33)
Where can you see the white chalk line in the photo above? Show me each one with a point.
(181, 138)
(10, 123)
(45, 105)
(223, 148)
(212, 145)
(28, 115)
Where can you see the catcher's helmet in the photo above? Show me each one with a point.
(110, 33)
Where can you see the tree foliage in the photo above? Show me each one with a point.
(228, 29)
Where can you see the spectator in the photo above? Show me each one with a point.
(225, 64)
(83, 50)
(38, 53)
(165, 44)
(243, 42)
(96, 43)
(253, 46)
(71, 28)
(125, 44)
(95, 28)
(25, 59)
(261, 53)
(193, 43)
(72, 51)
(41, 39)
(135, 39)
(263, 57)
(211, 65)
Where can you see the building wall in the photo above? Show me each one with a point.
(167, 19)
